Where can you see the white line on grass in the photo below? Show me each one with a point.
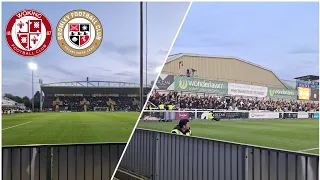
(164, 61)
(16, 125)
(309, 149)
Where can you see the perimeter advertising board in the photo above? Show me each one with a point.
(189, 84)
(282, 93)
(165, 82)
(303, 115)
(263, 115)
(308, 84)
(247, 90)
(226, 115)
(182, 115)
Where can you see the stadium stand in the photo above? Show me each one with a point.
(186, 101)
(73, 103)
(195, 81)
(9, 106)
(81, 96)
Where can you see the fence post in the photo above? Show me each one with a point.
(245, 151)
(6, 163)
(157, 154)
(49, 163)
(196, 114)
(35, 153)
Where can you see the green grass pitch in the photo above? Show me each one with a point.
(295, 135)
(62, 128)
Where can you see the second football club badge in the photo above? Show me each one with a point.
(79, 33)
(28, 33)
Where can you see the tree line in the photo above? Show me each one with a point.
(26, 100)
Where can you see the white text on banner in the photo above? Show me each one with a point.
(247, 90)
(303, 115)
(263, 115)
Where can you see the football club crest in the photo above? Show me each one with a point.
(79, 33)
(28, 33)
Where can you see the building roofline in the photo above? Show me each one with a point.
(307, 77)
(179, 55)
(93, 84)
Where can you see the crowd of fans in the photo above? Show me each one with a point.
(11, 109)
(187, 101)
(74, 103)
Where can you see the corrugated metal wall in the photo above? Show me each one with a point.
(165, 156)
(61, 162)
(223, 69)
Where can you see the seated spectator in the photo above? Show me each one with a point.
(73, 103)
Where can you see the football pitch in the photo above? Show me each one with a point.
(295, 135)
(64, 128)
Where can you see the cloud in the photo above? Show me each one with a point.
(131, 62)
(14, 64)
(154, 64)
(124, 73)
(63, 71)
(218, 42)
(50, 77)
(304, 50)
(102, 69)
(17, 87)
(107, 47)
(204, 41)
(162, 52)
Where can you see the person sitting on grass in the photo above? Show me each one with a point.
(211, 116)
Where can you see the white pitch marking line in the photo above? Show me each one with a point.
(16, 125)
(309, 149)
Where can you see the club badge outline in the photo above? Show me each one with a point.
(47, 34)
(77, 51)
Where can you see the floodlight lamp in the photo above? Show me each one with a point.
(32, 66)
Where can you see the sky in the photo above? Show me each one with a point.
(283, 37)
(117, 58)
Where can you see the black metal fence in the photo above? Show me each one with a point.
(61, 162)
(159, 155)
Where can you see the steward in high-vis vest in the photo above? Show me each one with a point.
(211, 117)
(148, 107)
(171, 107)
(183, 128)
(161, 106)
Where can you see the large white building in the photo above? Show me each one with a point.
(9, 102)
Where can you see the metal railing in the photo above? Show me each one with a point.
(198, 114)
(61, 162)
(158, 155)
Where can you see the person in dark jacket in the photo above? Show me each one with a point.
(183, 128)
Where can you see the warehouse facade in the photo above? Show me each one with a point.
(228, 69)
